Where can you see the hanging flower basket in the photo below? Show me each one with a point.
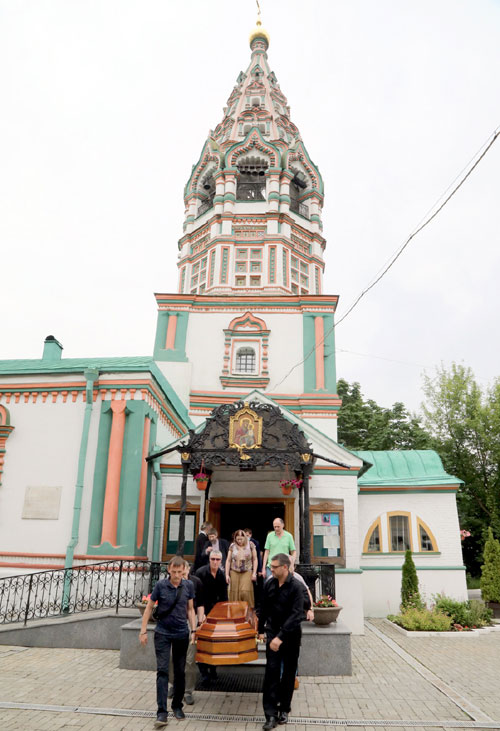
(201, 480)
(288, 485)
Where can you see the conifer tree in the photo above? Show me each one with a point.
(490, 570)
(410, 595)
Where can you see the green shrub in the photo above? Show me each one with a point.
(417, 619)
(468, 614)
(490, 570)
(410, 595)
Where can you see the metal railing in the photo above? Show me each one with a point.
(320, 578)
(58, 592)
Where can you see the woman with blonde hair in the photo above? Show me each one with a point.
(241, 569)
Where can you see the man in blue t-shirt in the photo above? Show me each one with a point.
(174, 630)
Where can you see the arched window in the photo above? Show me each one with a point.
(426, 541)
(245, 360)
(399, 531)
(373, 540)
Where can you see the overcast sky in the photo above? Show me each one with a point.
(105, 106)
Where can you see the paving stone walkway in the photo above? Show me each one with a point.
(384, 692)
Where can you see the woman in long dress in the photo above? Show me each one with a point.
(241, 569)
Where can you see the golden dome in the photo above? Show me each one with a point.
(259, 32)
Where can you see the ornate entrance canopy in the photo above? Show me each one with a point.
(247, 435)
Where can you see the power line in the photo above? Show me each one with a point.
(476, 159)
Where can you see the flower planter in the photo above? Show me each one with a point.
(202, 485)
(325, 615)
(141, 606)
(286, 490)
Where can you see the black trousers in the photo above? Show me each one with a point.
(163, 646)
(279, 679)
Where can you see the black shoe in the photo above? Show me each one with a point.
(205, 682)
(271, 722)
(178, 713)
(282, 717)
(161, 720)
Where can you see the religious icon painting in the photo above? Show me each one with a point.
(245, 429)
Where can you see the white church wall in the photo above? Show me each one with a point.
(178, 374)
(42, 452)
(328, 426)
(205, 347)
(439, 571)
(349, 592)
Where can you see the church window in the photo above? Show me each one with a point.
(255, 266)
(241, 253)
(255, 281)
(240, 281)
(207, 194)
(295, 289)
(299, 273)
(241, 266)
(373, 540)
(245, 360)
(426, 541)
(297, 187)
(399, 532)
(256, 253)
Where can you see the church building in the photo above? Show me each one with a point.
(98, 455)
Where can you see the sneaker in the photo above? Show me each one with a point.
(178, 713)
(271, 722)
(282, 717)
(188, 698)
(170, 693)
(161, 720)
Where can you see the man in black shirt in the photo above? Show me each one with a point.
(283, 607)
(214, 590)
(200, 544)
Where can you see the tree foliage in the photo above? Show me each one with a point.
(464, 420)
(363, 424)
(490, 570)
(410, 595)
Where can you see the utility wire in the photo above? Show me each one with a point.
(425, 222)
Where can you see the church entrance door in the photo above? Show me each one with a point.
(229, 514)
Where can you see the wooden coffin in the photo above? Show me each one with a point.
(228, 636)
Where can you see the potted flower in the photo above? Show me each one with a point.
(142, 604)
(287, 485)
(201, 479)
(326, 610)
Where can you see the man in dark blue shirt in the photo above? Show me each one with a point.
(174, 630)
(283, 607)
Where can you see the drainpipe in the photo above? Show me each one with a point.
(91, 376)
(157, 511)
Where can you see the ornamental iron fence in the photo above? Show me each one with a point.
(58, 592)
(320, 578)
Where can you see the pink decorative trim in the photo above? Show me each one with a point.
(112, 494)
(141, 513)
(320, 352)
(171, 329)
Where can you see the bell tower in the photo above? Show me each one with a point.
(249, 313)
(254, 198)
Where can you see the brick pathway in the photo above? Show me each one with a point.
(383, 687)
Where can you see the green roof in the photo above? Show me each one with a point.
(36, 366)
(404, 468)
